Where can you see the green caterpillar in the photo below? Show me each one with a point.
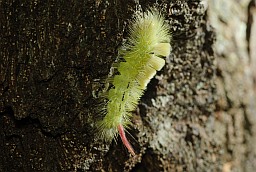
(148, 42)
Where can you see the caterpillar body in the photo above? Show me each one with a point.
(142, 54)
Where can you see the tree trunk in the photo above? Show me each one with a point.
(56, 55)
(235, 50)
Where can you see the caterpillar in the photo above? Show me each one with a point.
(142, 55)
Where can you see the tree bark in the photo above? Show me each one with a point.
(235, 50)
(55, 55)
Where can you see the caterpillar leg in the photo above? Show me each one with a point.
(124, 139)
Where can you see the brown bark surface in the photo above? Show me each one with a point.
(235, 49)
(55, 55)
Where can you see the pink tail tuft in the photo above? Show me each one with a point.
(124, 139)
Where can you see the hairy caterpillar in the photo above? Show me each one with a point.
(148, 42)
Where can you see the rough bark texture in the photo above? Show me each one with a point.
(235, 26)
(55, 54)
